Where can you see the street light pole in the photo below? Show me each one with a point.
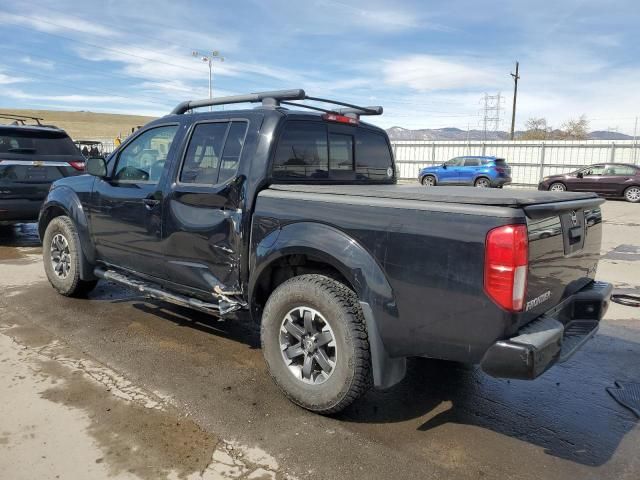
(208, 59)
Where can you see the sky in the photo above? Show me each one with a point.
(429, 63)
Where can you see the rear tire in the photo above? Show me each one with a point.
(482, 182)
(632, 194)
(557, 187)
(429, 181)
(315, 343)
(61, 253)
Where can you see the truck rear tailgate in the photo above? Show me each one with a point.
(564, 249)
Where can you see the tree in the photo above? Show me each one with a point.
(574, 129)
(536, 129)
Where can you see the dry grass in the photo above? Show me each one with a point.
(84, 125)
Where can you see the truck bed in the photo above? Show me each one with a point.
(510, 197)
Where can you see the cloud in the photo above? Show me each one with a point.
(430, 72)
(8, 80)
(42, 64)
(54, 23)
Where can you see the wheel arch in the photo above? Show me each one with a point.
(308, 247)
(63, 201)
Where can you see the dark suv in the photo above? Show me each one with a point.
(32, 157)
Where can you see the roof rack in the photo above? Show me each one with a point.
(22, 119)
(275, 98)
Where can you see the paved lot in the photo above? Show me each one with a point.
(117, 386)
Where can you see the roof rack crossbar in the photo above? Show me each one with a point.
(21, 118)
(274, 98)
(351, 108)
(267, 98)
(311, 107)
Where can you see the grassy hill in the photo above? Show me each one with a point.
(84, 125)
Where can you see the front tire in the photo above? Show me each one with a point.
(557, 187)
(62, 253)
(315, 343)
(429, 181)
(632, 194)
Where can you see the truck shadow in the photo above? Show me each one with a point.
(567, 411)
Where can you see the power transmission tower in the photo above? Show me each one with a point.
(491, 113)
(516, 77)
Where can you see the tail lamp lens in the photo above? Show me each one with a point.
(505, 266)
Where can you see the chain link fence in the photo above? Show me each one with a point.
(530, 161)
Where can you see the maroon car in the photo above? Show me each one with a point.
(606, 179)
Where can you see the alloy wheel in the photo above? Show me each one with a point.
(482, 183)
(633, 194)
(308, 345)
(60, 256)
(428, 181)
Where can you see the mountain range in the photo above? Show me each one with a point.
(450, 133)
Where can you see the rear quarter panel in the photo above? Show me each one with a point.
(432, 256)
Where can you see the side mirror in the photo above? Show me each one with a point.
(444, 165)
(97, 167)
(580, 175)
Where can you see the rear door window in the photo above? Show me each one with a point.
(471, 162)
(202, 160)
(232, 151)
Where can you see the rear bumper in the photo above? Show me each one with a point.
(19, 210)
(552, 338)
(500, 181)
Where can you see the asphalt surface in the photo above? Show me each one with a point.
(117, 386)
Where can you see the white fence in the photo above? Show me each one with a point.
(529, 160)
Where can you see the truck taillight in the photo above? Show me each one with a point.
(334, 117)
(506, 260)
(77, 165)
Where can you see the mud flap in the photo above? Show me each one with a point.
(387, 371)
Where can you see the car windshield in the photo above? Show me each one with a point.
(30, 142)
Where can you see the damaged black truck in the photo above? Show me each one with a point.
(292, 212)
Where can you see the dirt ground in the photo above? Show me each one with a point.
(118, 387)
(84, 125)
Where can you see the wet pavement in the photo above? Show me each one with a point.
(148, 390)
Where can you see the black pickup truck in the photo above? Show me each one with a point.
(296, 217)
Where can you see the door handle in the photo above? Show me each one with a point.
(150, 203)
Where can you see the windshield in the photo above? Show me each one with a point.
(29, 142)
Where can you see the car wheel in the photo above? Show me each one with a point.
(482, 182)
(557, 187)
(61, 253)
(632, 194)
(315, 343)
(429, 181)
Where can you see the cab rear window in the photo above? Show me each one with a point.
(309, 150)
(41, 143)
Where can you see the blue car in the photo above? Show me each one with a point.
(482, 172)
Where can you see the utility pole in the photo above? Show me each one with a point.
(516, 77)
(209, 58)
(635, 143)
